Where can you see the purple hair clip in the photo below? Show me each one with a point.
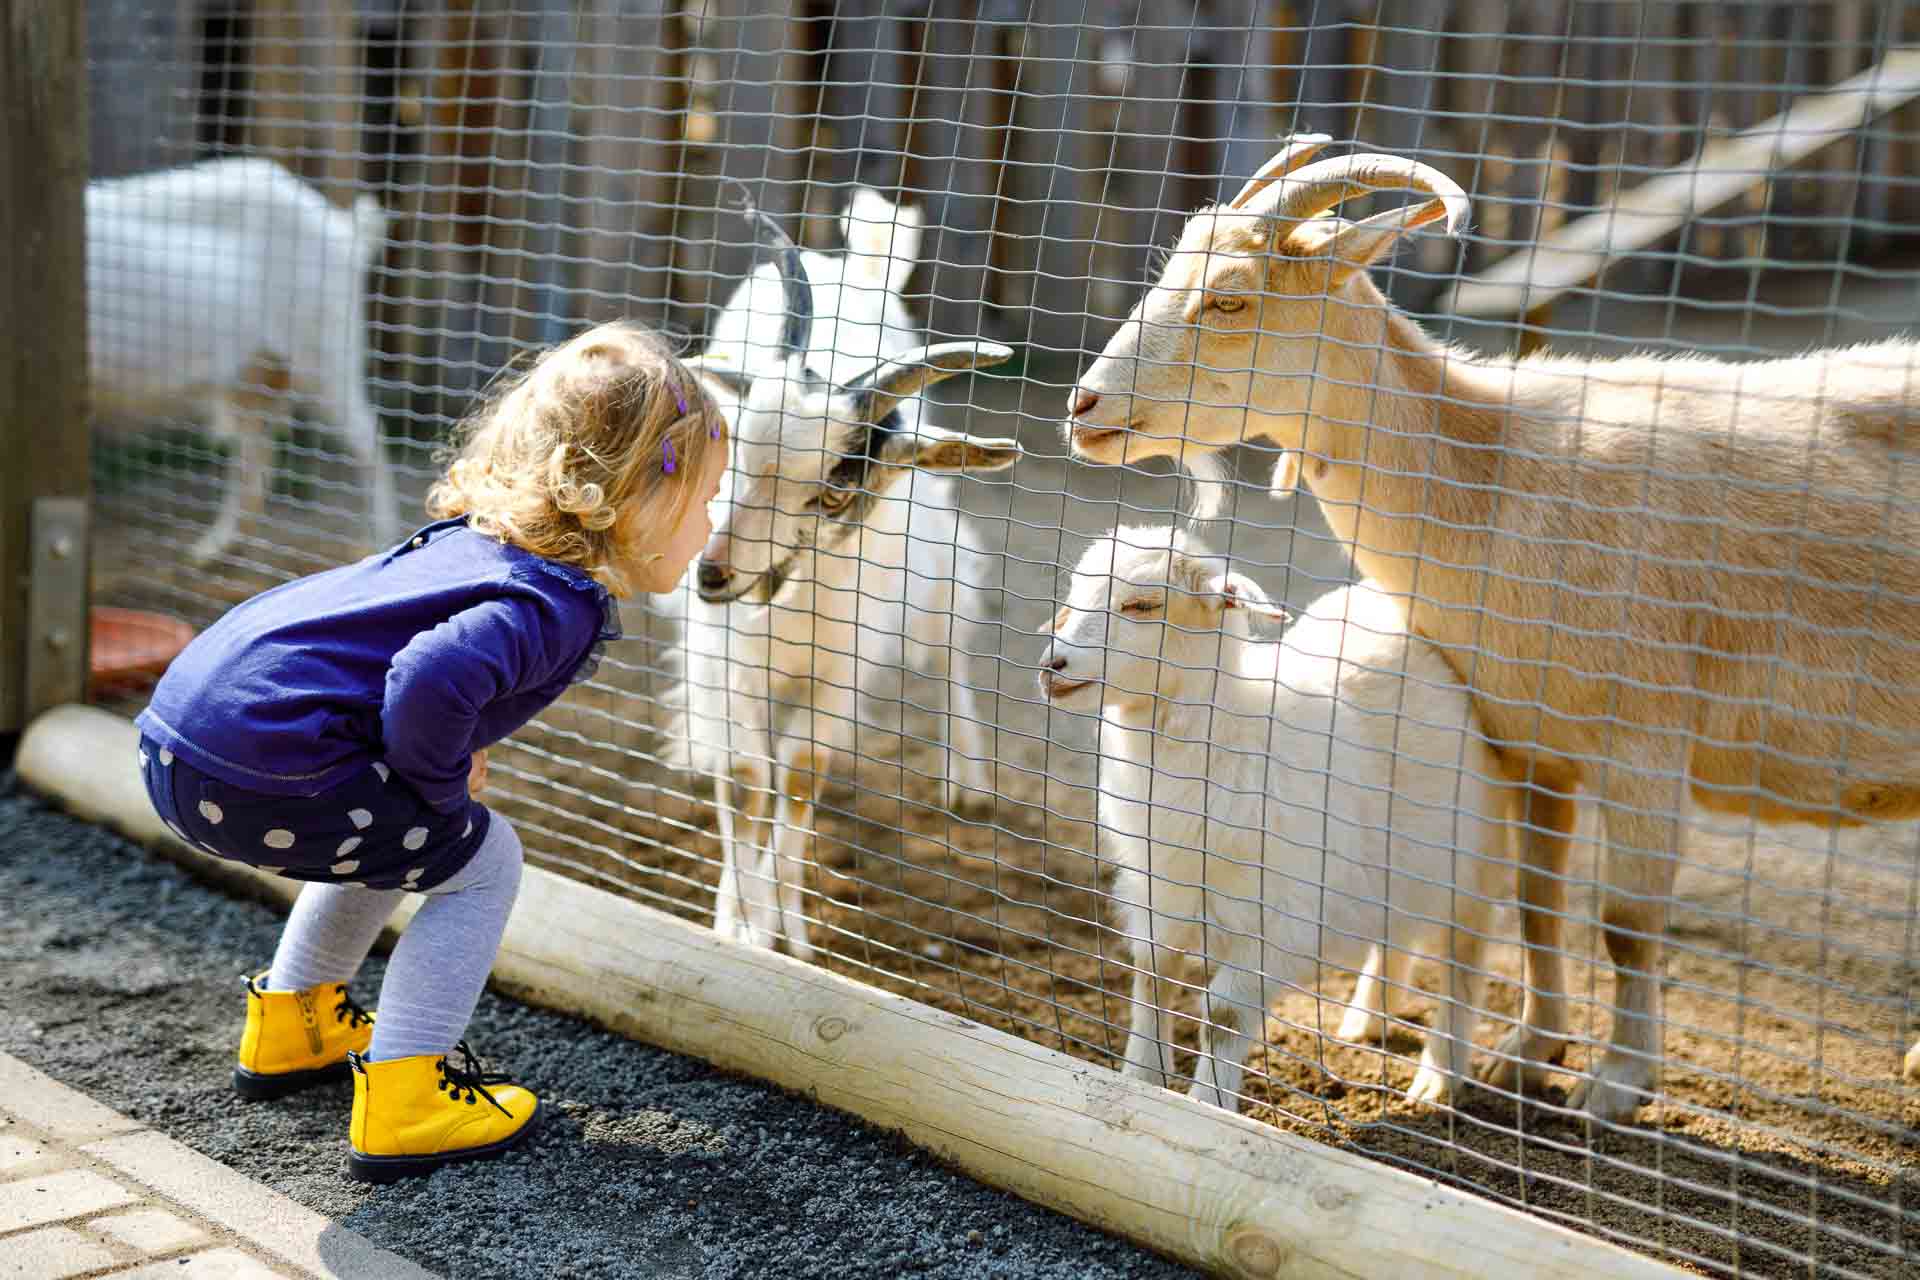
(666, 462)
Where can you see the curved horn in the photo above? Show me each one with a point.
(1319, 187)
(1300, 148)
(797, 336)
(876, 392)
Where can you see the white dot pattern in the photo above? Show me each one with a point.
(211, 812)
(360, 818)
(414, 838)
(143, 757)
(347, 846)
(382, 770)
(346, 866)
(166, 757)
(278, 838)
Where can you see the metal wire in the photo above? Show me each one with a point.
(545, 164)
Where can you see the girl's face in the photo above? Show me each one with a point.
(677, 546)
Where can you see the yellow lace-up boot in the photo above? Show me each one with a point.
(297, 1039)
(412, 1115)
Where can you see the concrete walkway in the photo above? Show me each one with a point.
(86, 1191)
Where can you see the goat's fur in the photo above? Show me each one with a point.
(838, 562)
(1273, 808)
(212, 287)
(1665, 579)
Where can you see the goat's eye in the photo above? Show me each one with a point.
(1140, 607)
(832, 499)
(1225, 302)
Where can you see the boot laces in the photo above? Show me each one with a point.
(350, 1012)
(471, 1078)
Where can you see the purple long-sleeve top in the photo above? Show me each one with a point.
(418, 657)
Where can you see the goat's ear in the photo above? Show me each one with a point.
(1286, 474)
(1237, 592)
(936, 450)
(1355, 246)
(718, 368)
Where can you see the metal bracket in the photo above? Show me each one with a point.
(57, 624)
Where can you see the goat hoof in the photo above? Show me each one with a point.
(1430, 1088)
(1520, 1063)
(1361, 1026)
(1620, 1086)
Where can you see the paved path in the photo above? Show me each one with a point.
(86, 1191)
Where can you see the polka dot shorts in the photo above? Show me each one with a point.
(373, 830)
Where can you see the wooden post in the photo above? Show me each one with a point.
(43, 357)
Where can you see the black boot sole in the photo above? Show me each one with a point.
(255, 1087)
(385, 1169)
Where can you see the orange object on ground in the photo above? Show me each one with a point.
(130, 647)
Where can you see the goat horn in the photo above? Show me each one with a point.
(876, 392)
(797, 337)
(1300, 148)
(1319, 187)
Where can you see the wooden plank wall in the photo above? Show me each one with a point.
(571, 160)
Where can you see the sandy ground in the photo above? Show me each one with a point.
(1784, 1141)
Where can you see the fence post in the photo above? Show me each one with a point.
(43, 355)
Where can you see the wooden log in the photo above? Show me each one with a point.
(1212, 1189)
(43, 360)
(1661, 205)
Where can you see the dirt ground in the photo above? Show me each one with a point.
(1784, 1142)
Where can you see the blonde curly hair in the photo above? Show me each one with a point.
(556, 455)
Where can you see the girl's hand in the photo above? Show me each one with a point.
(477, 773)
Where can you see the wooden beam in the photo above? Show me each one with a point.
(1724, 170)
(1216, 1190)
(43, 304)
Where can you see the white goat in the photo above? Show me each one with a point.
(1663, 579)
(838, 560)
(210, 287)
(1275, 807)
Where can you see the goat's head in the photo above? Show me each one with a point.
(1227, 343)
(1147, 613)
(811, 460)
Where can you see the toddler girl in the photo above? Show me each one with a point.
(333, 730)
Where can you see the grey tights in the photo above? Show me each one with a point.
(444, 955)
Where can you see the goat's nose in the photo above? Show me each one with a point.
(1082, 402)
(1058, 664)
(713, 577)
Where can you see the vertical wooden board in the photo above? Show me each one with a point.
(1252, 83)
(141, 96)
(338, 59)
(1400, 119)
(502, 322)
(629, 92)
(278, 79)
(1838, 168)
(961, 104)
(1143, 69)
(43, 395)
(1052, 213)
(763, 123)
(1323, 99)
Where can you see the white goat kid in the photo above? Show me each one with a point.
(211, 286)
(1664, 579)
(1273, 808)
(838, 561)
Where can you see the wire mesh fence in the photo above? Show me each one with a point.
(874, 760)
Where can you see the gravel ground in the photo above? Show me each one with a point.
(118, 976)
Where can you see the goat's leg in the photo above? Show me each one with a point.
(1381, 989)
(1637, 873)
(1235, 1012)
(1519, 1062)
(793, 832)
(244, 493)
(731, 917)
(970, 758)
(1447, 1051)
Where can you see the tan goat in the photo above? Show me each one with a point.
(1664, 579)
